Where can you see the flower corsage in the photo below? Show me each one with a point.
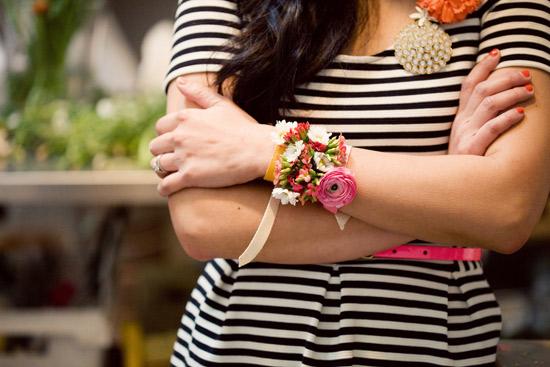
(311, 166)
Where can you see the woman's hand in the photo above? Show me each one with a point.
(486, 108)
(216, 145)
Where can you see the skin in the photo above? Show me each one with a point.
(492, 201)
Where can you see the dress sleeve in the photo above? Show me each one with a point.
(519, 29)
(202, 30)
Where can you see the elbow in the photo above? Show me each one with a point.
(515, 224)
(190, 240)
(188, 229)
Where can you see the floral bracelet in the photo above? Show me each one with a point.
(311, 166)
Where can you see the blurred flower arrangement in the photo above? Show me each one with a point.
(41, 127)
(45, 28)
(62, 134)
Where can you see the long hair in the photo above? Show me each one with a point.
(284, 43)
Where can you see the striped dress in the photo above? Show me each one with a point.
(376, 312)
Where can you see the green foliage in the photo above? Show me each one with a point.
(54, 22)
(112, 133)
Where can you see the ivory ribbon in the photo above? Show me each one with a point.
(262, 233)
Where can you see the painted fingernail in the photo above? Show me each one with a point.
(520, 110)
(494, 52)
(526, 73)
(529, 87)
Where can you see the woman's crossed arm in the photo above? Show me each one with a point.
(491, 201)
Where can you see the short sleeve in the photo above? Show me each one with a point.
(202, 30)
(520, 30)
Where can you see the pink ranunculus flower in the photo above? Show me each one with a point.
(336, 188)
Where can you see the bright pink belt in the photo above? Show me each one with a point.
(430, 253)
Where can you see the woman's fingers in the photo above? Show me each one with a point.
(494, 128)
(172, 183)
(162, 144)
(172, 120)
(508, 80)
(202, 95)
(479, 73)
(492, 105)
(169, 122)
(168, 162)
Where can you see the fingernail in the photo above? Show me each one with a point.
(526, 73)
(520, 110)
(529, 87)
(494, 52)
(182, 81)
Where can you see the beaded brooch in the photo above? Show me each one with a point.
(424, 47)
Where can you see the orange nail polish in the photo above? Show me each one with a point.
(520, 110)
(529, 87)
(526, 73)
(494, 52)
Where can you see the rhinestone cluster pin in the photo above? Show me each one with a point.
(422, 47)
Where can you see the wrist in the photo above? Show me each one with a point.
(264, 149)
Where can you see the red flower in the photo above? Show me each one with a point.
(40, 6)
(318, 147)
(311, 190)
(341, 149)
(305, 157)
(296, 187)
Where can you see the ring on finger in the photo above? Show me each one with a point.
(157, 167)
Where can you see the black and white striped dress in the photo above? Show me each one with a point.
(366, 312)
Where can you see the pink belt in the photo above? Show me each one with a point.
(430, 253)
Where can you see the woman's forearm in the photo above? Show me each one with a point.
(220, 223)
(468, 200)
(492, 201)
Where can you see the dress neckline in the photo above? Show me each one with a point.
(366, 58)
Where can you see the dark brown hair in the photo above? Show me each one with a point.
(284, 43)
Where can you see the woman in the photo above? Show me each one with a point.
(312, 298)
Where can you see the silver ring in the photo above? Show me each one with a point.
(157, 167)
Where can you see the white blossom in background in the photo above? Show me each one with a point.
(105, 108)
(60, 120)
(13, 120)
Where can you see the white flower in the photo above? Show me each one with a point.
(421, 16)
(60, 120)
(322, 161)
(293, 151)
(281, 128)
(105, 108)
(13, 120)
(318, 134)
(286, 196)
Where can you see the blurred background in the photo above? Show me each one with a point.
(91, 273)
